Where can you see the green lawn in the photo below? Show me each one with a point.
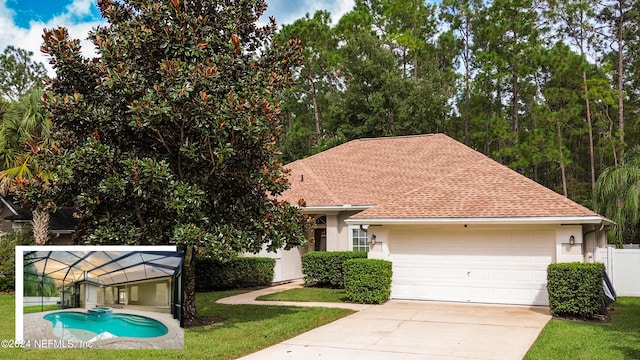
(247, 328)
(39, 308)
(308, 294)
(618, 339)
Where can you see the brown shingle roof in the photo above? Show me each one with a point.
(425, 176)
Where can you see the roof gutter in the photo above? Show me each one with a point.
(533, 220)
(333, 208)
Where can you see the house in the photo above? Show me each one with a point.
(457, 225)
(61, 223)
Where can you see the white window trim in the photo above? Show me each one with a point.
(356, 227)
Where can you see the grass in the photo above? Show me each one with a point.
(38, 308)
(246, 329)
(308, 294)
(618, 339)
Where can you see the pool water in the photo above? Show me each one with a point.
(78, 326)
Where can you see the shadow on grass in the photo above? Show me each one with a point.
(625, 326)
(234, 315)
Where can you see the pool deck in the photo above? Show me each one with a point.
(38, 333)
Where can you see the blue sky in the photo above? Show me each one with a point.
(22, 21)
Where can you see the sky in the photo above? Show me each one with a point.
(22, 21)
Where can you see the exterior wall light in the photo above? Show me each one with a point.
(373, 239)
(572, 240)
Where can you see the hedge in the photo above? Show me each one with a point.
(240, 272)
(326, 268)
(367, 281)
(575, 289)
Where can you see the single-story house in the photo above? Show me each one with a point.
(457, 225)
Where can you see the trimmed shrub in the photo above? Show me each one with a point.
(326, 268)
(367, 281)
(240, 272)
(575, 289)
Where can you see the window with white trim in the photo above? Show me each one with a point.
(359, 239)
(162, 293)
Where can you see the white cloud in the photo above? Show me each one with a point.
(342, 7)
(31, 39)
(80, 7)
(288, 11)
(74, 18)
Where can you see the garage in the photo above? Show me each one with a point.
(491, 266)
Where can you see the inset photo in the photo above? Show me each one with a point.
(111, 297)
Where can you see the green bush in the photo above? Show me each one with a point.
(240, 272)
(326, 268)
(575, 289)
(8, 245)
(367, 281)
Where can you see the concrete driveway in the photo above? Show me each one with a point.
(419, 330)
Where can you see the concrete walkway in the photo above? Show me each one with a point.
(249, 298)
(410, 330)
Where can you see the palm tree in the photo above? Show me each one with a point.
(617, 196)
(22, 137)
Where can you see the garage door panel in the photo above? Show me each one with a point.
(496, 267)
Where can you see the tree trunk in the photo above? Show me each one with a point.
(40, 224)
(590, 128)
(189, 283)
(621, 76)
(316, 112)
(562, 167)
(467, 81)
(516, 100)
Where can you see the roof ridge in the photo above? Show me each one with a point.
(387, 138)
(399, 137)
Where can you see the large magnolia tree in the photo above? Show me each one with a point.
(170, 136)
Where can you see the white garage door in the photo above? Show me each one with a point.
(504, 267)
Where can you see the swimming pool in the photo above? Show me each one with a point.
(79, 326)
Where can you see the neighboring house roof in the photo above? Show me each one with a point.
(422, 177)
(60, 221)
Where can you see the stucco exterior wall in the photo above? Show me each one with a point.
(580, 251)
(288, 264)
(565, 252)
(147, 293)
(338, 231)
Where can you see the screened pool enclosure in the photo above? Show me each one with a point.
(145, 280)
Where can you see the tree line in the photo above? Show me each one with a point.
(549, 88)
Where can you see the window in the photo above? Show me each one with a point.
(359, 240)
(134, 293)
(108, 294)
(161, 293)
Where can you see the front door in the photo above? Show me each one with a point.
(320, 240)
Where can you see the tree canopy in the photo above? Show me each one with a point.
(19, 72)
(171, 134)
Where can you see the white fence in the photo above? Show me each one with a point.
(37, 300)
(623, 267)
